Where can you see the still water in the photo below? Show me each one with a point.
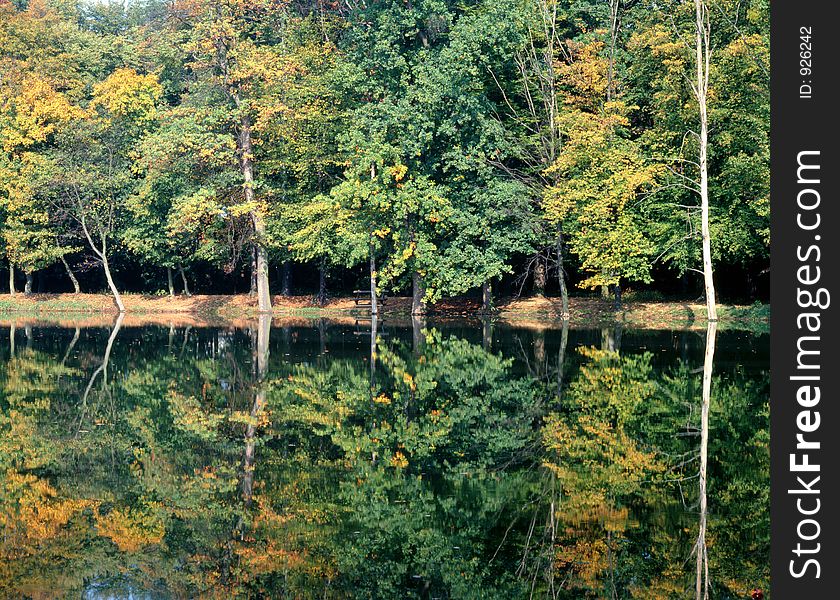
(318, 459)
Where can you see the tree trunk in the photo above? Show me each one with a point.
(247, 167)
(11, 279)
(252, 290)
(71, 275)
(169, 282)
(486, 297)
(286, 279)
(117, 298)
(418, 293)
(322, 284)
(539, 276)
(617, 291)
(703, 57)
(561, 278)
(187, 291)
(374, 305)
(27, 287)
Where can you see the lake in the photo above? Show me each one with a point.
(424, 459)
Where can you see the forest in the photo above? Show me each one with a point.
(436, 148)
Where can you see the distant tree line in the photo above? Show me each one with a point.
(434, 146)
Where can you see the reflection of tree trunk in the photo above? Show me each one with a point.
(539, 352)
(261, 361)
(187, 331)
(187, 291)
(12, 333)
(561, 359)
(103, 368)
(322, 336)
(70, 346)
(11, 279)
(702, 582)
(171, 337)
(418, 336)
(607, 339)
(418, 294)
(373, 330)
(169, 282)
(27, 331)
(487, 333)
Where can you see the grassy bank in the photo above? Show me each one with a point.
(520, 311)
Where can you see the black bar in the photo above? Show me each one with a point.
(805, 39)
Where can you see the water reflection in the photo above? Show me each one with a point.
(382, 460)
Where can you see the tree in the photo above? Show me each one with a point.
(92, 176)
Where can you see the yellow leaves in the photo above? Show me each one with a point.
(126, 93)
(32, 512)
(132, 528)
(382, 399)
(398, 172)
(399, 461)
(38, 110)
(382, 233)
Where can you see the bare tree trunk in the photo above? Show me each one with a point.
(701, 88)
(71, 275)
(418, 294)
(539, 276)
(486, 297)
(27, 287)
(169, 282)
(253, 289)
(702, 581)
(12, 290)
(286, 279)
(113, 286)
(374, 304)
(322, 283)
(247, 168)
(561, 277)
(187, 291)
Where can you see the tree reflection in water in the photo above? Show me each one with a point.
(381, 461)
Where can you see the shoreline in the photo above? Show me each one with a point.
(536, 312)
